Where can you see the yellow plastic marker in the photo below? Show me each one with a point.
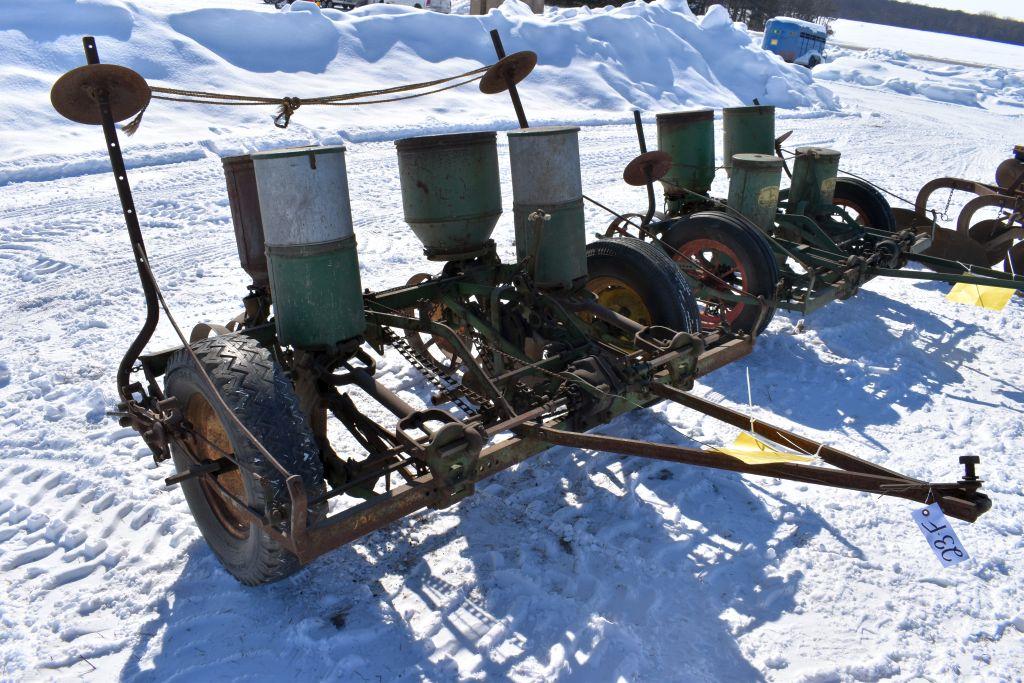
(753, 451)
(992, 298)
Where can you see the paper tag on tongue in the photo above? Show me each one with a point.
(940, 535)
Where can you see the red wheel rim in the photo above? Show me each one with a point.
(853, 210)
(717, 267)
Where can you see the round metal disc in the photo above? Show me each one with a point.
(647, 168)
(515, 67)
(1008, 172)
(73, 93)
(986, 230)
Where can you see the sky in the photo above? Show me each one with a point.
(1013, 9)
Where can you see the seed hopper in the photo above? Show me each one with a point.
(285, 441)
(797, 248)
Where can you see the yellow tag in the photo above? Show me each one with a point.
(992, 298)
(828, 186)
(775, 41)
(753, 451)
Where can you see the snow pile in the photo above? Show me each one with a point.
(895, 71)
(595, 65)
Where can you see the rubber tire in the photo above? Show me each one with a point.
(876, 209)
(258, 392)
(651, 274)
(750, 246)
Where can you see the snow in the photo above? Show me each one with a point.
(895, 71)
(595, 66)
(574, 565)
(860, 34)
(809, 25)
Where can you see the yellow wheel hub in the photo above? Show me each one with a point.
(616, 295)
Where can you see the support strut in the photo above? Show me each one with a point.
(131, 220)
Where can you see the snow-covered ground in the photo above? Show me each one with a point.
(1000, 89)
(573, 566)
(922, 43)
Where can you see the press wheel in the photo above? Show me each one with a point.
(249, 384)
(721, 253)
(636, 280)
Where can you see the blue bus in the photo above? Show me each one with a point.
(797, 41)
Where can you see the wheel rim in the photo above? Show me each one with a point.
(211, 444)
(853, 210)
(720, 270)
(439, 349)
(614, 294)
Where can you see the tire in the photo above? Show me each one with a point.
(813, 62)
(256, 389)
(642, 272)
(867, 202)
(738, 253)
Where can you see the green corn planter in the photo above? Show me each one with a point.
(546, 177)
(814, 181)
(689, 138)
(311, 251)
(451, 193)
(747, 130)
(754, 187)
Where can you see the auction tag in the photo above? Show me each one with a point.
(940, 535)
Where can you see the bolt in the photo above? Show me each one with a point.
(969, 461)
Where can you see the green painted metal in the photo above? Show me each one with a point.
(689, 138)
(304, 282)
(814, 181)
(311, 251)
(754, 187)
(747, 130)
(451, 193)
(546, 178)
(562, 242)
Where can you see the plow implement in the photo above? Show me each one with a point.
(817, 241)
(285, 442)
(983, 242)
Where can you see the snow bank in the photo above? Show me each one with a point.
(595, 65)
(895, 71)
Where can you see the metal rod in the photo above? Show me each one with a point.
(640, 131)
(956, 503)
(513, 92)
(131, 220)
(606, 314)
(651, 201)
(380, 393)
